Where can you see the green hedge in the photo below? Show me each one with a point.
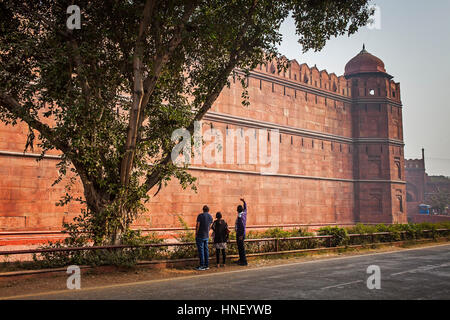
(129, 256)
(398, 232)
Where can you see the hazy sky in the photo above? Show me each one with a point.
(414, 43)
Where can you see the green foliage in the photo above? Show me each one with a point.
(283, 245)
(278, 233)
(187, 235)
(397, 232)
(135, 238)
(123, 257)
(340, 235)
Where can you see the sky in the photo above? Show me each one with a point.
(412, 38)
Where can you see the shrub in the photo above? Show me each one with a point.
(187, 235)
(340, 235)
(123, 257)
(283, 245)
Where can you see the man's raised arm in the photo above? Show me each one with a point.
(245, 204)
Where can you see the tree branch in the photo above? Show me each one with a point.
(138, 91)
(14, 107)
(155, 176)
(143, 89)
(161, 59)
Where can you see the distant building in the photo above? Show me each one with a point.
(420, 189)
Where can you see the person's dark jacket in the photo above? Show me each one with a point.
(241, 222)
(221, 231)
(240, 229)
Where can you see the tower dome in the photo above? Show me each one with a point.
(364, 62)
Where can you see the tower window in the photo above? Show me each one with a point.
(399, 170)
(400, 203)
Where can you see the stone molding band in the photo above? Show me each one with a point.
(283, 175)
(295, 176)
(29, 155)
(251, 123)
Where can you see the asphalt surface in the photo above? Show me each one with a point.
(408, 274)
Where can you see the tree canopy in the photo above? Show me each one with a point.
(109, 95)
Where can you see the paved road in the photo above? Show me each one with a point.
(408, 274)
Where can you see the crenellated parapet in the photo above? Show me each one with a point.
(414, 164)
(308, 76)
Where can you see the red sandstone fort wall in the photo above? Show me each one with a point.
(321, 167)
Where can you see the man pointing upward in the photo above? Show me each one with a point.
(241, 221)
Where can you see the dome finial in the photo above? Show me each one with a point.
(364, 49)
